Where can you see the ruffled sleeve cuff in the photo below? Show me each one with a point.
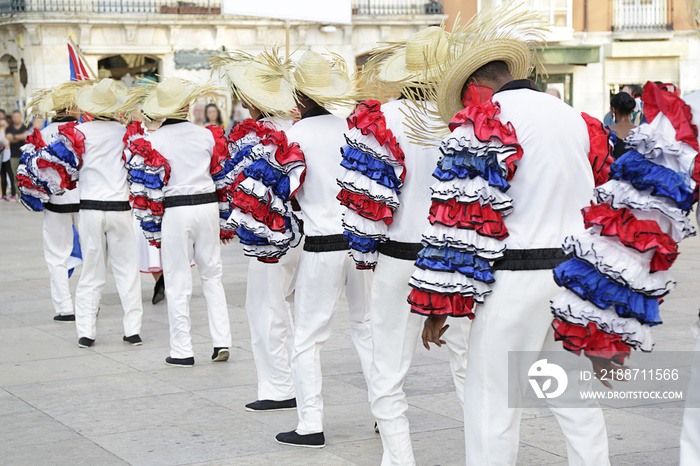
(601, 146)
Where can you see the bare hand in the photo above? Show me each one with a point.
(606, 369)
(433, 330)
(226, 240)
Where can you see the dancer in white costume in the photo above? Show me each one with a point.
(61, 211)
(387, 198)
(192, 170)
(258, 82)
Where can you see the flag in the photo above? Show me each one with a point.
(76, 256)
(78, 70)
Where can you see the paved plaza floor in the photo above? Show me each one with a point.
(117, 404)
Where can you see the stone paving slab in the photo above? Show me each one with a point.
(114, 404)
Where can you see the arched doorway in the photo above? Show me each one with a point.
(128, 68)
(9, 83)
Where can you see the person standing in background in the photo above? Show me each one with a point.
(637, 115)
(16, 134)
(198, 116)
(621, 107)
(213, 115)
(6, 167)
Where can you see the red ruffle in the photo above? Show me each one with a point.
(24, 181)
(258, 210)
(591, 340)
(151, 157)
(76, 138)
(600, 154)
(659, 100)
(482, 219)
(369, 119)
(287, 155)
(365, 206)
(143, 203)
(427, 304)
(246, 126)
(133, 130)
(35, 138)
(642, 235)
(220, 153)
(482, 112)
(67, 181)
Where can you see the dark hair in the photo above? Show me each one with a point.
(16, 111)
(219, 120)
(636, 89)
(3, 111)
(492, 71)
(623, 103)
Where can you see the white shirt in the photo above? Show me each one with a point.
(554, 179)
(188, 149)
(103, 175)
(48, 134)
(411, 218)
(320, 138)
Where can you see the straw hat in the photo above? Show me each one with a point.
(167, 99)
(503, 34)
(419, 59)
(53, 100)
(323, 81)
(103, 98)
(260, 81)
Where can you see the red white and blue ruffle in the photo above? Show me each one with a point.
(469, 201)
(222, 172)
(601, 148)
(266, 171)
(373, 173)
(619, 271)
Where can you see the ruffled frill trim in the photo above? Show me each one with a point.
(450, 260)
(74, 140)
(642, 235)
(591, 340)
(569, 307)
(464, 165)
(587, 283)
(377, 170)
(33, 192)
(258, 210)
(363, 227)
(356, 182)
(439, 236)
(471, 190)
(35, 139)
(427, 304)
(134, 130)
(480, 218)
(619, 263)
(222, 172)
(657, 100)
(365, 207)
(255, 240)
(600, 152)
(449, 283)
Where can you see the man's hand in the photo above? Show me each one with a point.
(226, 240)
(605, 370)
(433, 329)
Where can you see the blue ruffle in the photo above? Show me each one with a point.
(644, 174)
(450, 260)
(377, 170)
(226, 169)
(466, 165)
(60, 151)
(241, 155)
(250, 239)
(32, 203)
(151, 226)
(274, 179)
(149, 180)
(584, 280)
(361, 243)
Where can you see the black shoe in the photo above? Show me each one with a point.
(272, 405)
(317, 440)
(220, 354)
(376, 428)
(66, 318)
(133, 339)
(85, 342)
(179, 362)
(158, 291)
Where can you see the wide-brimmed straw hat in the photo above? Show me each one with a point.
(167, 99)
(322, 80)
(417, 60)
(53, 100)
(103, 98)
(261, 81)
(505, 34)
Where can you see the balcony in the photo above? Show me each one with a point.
(640, 16)
(397, 7)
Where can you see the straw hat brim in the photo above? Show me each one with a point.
(152, 109)
(515, 54)
(281, 101)
(393, 70)
(83, 99)
(337, 89)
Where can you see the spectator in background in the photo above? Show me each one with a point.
(38, 123)
(16, 134)
(3, 114)
(635, 90)
(553, 91)
(621, 107)
(213, 115)
(198, 117)
(6, 167)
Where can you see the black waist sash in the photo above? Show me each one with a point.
(530, 259)
(399, 250)
(62, 208)
(118, 206)
(190, 199)
(326, 243)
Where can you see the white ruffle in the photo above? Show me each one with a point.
(621, 194)
(362, 226)
(47, 175)
(367, 259)
(269, 151)
(370, 145)
(673, 229)
(356, 182)
(572, 309)
(621, 264)
(449, 283)
(239, 219)
(470, 190)
(463, 138)
(31, 191)
(260, 191)
(439, 236)
(264, 252)
(249, 140)
(60, 138)
(138, 189)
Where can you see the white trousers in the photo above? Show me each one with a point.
(107, 235)
(271, 324)
(191, 233)
(58, 244)
(690, 434)
(322, 277)
(395, 334)
(517, 317)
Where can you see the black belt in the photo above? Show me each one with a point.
(62, 208)
(190, 199)
(326, 243)
(530, 259)
(118, 206)
(399, 250)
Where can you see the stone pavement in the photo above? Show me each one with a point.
(116, 404)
